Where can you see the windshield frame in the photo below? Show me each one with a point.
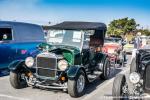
(81, 40)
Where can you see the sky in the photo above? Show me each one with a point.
(55, 11)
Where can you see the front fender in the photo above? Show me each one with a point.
(15, 65)
(73, 71)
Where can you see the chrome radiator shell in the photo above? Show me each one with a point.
(46, 65)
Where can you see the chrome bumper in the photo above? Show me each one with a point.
(32, 81)
(54, 86)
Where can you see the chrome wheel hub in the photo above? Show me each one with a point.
(80, 83)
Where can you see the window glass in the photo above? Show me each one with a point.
(5, 34)
(65, 37)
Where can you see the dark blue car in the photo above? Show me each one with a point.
(18, 40)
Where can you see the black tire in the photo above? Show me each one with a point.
(119, 82)
(133, 66)
(106, 75)
(16, 81)
(72, 85)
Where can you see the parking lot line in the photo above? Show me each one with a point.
(12, 97)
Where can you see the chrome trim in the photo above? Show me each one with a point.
(50, 87)
(51, 55)
(46, 68)
(33, 82)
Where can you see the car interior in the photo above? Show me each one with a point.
(5, 34)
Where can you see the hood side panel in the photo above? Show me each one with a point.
(69, 57)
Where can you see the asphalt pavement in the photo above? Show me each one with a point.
(97, 90)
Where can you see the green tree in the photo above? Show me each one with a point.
(145, 32)
(122, 26)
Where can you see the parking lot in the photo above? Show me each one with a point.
(97, 90)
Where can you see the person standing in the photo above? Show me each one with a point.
(138, 41)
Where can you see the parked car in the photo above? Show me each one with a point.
(70, 59)
(143, 40)
(114, 48)
(17, 41)
(139, 78)
(129, 47)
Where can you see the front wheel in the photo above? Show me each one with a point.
(119, 88)
(76, 86)
(17, 80)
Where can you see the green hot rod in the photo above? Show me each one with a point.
(70, 59)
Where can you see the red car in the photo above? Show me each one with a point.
(113, 47)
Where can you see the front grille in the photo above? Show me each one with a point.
(46, 72)
(46, 66)
(45, 62)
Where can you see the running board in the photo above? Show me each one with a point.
(95, 75)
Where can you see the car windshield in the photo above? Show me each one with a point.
(112, 40)
(65, 37)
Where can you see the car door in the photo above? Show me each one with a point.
(6, 52)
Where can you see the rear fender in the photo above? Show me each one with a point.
(16, 65)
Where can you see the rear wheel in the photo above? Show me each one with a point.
(106, 70)
(17, 80)
(76, 86)
(119, 88)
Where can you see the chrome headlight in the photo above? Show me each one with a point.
(29, 61)
(134, 77)
(62, 65)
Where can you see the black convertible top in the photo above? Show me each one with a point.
(79, 26)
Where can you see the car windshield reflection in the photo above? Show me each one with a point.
(65, 37)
